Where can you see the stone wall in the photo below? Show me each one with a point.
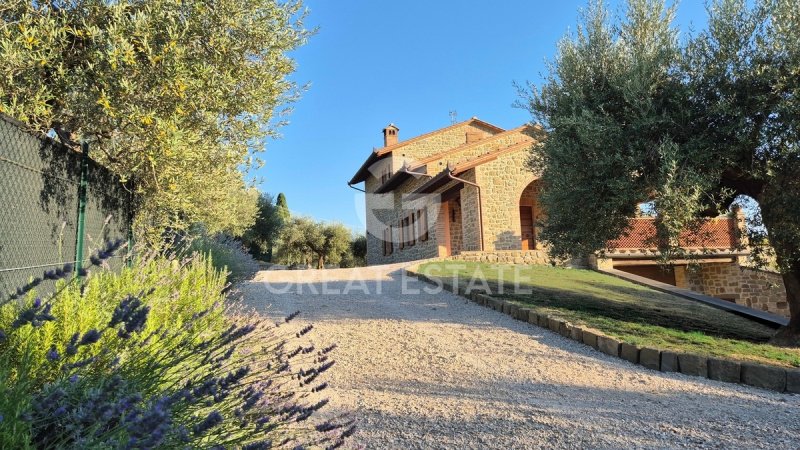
(462, 153)
(471, 214)
(504, 256)
(757, 289)
(454, 221)
(388, 209)
(503, 182)
(437, 143)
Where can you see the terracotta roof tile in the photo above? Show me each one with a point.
(717, 233)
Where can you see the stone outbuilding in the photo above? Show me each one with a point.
(465, 192)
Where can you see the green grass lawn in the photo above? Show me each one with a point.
(626, 311)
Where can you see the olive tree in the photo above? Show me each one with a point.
(303, 239)
(178, 95)
(633, 115)
(262, 236)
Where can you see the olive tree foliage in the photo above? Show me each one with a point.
(304, 241)
(602, 107)
(262, 236)
(358, 246)
(632, 115)
(744, 77)
(356, 255)
(178, 96)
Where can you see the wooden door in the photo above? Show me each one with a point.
(526, 227)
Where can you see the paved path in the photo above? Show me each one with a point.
(429, 370)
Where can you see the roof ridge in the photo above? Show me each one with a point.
(434, 157)
(389, 148)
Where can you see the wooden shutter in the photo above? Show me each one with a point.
(387, 241)
(402, 240)
(412, 229)
(422, 224)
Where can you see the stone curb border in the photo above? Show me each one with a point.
(762, 376)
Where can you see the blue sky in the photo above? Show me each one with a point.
(408, 62)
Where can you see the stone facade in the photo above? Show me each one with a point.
(503, 183)
(389, 209)
(463, 227)
(757, 289)
(456, 228)
(386, 211)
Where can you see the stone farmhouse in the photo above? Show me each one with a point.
(465, 192)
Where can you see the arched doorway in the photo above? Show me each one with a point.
(529, 215)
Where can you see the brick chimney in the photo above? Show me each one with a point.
(390, 135)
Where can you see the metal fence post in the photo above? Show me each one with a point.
(82, 188)
(130, 242)
(131, 215)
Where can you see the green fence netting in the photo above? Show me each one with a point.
(39, 198)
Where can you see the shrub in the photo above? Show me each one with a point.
(152, 357)
(225, 252)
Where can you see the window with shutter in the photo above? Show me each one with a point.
(422, 224)
(412, 229)
(402, 240)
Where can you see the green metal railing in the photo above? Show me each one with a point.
(56, 206)
(82, 188)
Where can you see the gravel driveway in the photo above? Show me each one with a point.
(430, 370)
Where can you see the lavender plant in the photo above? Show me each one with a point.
(153, 369)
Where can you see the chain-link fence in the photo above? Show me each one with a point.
(40, 207)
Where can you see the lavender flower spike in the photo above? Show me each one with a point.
(52, 354)
(90, 337)
(213, 419)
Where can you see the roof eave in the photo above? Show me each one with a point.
(363, 172)
(441, 179)
(398, 178)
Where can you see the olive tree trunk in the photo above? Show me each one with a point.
(787, 254)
